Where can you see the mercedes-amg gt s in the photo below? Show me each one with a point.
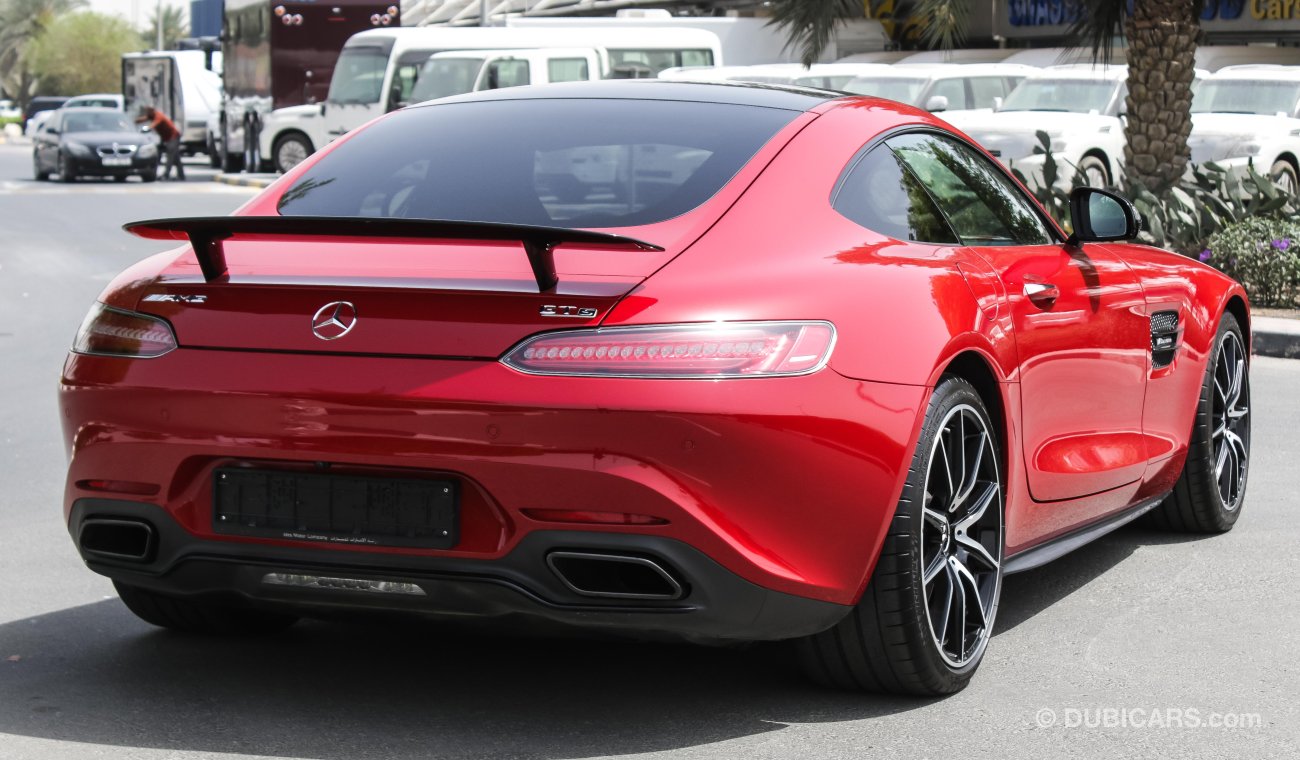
(719, 362)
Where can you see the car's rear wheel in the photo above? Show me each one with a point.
(200, 616)
(1208, 495)
(924, 621)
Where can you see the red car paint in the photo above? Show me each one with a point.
(788, 483)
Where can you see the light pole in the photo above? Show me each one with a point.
(158, 23)
(482, 13)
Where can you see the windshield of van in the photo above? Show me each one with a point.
(587, 163)
(358, 76)
(890, 88)
(1246, 96)
(440, 77)
(1075, 95)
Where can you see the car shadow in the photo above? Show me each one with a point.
(414, 689)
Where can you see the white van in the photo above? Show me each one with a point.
(772, 73)
(178, 83)
(379, 68)
(460, 71)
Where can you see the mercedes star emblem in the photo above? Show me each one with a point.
(334, 320)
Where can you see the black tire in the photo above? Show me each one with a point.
(1285, 175)
(231, 163)
(1095, 171)
(149, 176)
(200, 616)
(887, 643)
(1207, 499)
(119, 178)
(290, 150)
(66, 174)
(41, 176)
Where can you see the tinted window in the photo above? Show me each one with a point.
(880, 194)
(980, 203)
(578, 163)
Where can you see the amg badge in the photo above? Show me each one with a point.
(577, 312)
(175, 298)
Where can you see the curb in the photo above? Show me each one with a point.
(245, 180)
(1274, 336)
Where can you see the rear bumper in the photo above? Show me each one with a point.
(787, 484)
(715, 603)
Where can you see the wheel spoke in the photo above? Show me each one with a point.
(960, 611)
(977, 550)
(978, 508)
(947, 467)
(970, 475)
(968, 581)
(941, 626)
(935, 567)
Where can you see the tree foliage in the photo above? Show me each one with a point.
(21, 23)
(174, 27)
(82, 52)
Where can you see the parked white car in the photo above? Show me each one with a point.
(834, 76)
(955, 90)
(1078, 106)
(97, 100)
(1244, 115)
(773, 73)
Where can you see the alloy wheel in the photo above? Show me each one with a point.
(1230, 413)
(961, 536)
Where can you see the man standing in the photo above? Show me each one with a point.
(170, 136)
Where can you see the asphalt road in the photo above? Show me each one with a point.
(1130, 647)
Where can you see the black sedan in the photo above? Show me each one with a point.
(100, 142)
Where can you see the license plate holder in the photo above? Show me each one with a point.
(336, 509)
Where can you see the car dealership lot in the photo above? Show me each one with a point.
(1129, 647)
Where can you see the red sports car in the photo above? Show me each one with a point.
(696, 360)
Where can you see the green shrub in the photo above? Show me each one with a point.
(1184, 217)
(1264, 254)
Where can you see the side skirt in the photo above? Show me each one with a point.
(1060, 546)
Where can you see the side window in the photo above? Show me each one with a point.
(403, 82)
(880, 194)
(984, 89)
(567, 70)
(507, 72)
(978, 200)
(952, 89)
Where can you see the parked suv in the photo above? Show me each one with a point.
(1078, 106)
(958, 91)
(1246, 115)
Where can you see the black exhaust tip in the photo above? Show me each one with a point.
(614, 576)
(118, 539)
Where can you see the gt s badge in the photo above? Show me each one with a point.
(175, 298)
(576, 312)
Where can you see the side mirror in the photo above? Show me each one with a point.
(937, 103)
(395, 97)
(1100, 216)
(322, 109)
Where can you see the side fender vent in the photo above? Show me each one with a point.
(1164, 338)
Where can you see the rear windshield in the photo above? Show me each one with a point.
(554, 162)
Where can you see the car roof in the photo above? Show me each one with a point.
(787, 97)
(1259, 72)
(951, 70)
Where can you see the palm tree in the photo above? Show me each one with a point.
(1161, 35)
(21, 22)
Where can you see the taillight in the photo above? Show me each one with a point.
(113, 332)
(707, 350)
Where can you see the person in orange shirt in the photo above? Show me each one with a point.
(170, 136)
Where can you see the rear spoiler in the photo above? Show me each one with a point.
(206, 234)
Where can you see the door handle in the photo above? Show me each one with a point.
(1042, 294)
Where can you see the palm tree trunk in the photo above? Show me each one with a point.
(1162, 36)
